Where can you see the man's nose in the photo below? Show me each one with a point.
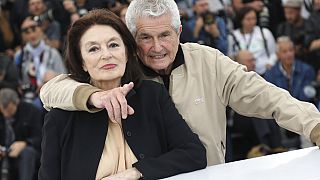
(157, 45)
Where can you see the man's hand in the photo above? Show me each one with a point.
(129, 174)
(199, 24)
(315, 44)
(212, 29)
(69, 6)
(16, 148)
(114, 101)
(256, 5)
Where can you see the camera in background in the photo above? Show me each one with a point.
(209, 17)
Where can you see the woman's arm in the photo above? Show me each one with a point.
(50, 157)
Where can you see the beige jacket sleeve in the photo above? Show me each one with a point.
(66, 93)
(250, 95)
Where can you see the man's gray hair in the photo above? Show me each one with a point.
(8, 96)
(283, 39)
(153, 9)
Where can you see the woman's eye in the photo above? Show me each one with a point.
(93, 49)
(112, 45)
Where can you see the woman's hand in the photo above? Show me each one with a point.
(129, 174)
(114, 101)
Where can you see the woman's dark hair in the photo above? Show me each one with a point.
(74, 59)
(241, 14)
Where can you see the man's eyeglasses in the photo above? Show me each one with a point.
(29, 29)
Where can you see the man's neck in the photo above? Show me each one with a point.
(287, 68)
(166, 71)
(298, 23)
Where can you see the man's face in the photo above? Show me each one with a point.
(286, 53)
(158, 42)
(31, 32)
(9, 111)
(36, 7)
(247, 59)
(201, 6)
(292, 14)
(316, 4)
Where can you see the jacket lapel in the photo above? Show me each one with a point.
(89, 134)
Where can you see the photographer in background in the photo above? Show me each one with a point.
(41, 14)
(34, 60)
(208, 29)
(78, 8)
(20, 134)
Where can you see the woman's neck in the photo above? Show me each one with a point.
(247, 30)
(106, 85)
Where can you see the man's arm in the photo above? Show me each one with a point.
(250, 95)
(64, 93)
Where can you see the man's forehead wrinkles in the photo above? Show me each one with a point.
(154, 30)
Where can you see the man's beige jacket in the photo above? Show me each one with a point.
(201, 89)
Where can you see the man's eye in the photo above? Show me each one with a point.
(145, 37)
(165, 35)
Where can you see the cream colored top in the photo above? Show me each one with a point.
(117, 155)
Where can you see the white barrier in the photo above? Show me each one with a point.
(302, 164)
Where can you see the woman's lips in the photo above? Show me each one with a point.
(109, 66)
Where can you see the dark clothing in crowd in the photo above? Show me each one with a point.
(8, 73)
(26, 125)
(313, 33)
(296, 34)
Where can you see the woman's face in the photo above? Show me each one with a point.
(103, 53)
(317, 4)
(249, 20)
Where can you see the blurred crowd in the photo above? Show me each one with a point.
(280, 40)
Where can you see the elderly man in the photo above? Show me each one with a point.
(201, 81)
(246, 58)
(290, 73)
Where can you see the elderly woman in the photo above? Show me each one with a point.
(155, 142)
